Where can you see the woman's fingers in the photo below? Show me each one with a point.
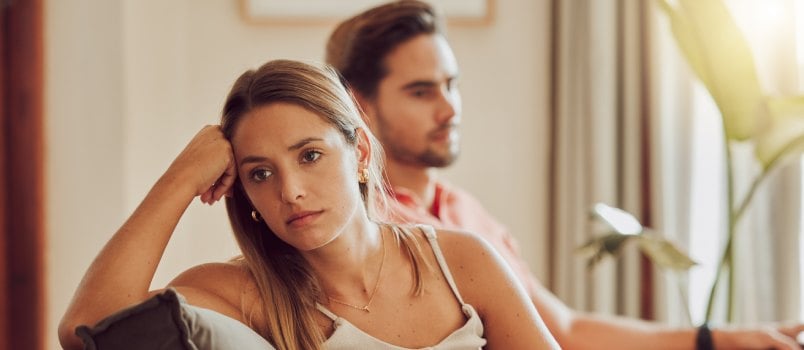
(206, 197)
(207, 164)
(226, 181)
(223, 185)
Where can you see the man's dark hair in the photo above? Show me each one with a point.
(358, 46)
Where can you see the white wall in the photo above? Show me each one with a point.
(129, 82)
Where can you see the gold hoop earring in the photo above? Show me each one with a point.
(363, 176)
(255, 216)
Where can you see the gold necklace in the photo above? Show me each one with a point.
(376, 284)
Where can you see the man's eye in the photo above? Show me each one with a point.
(453, 84)
(260, 174)
(419, 93)
(310, 156)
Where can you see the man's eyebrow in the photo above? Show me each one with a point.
(418, 84)
(426, 83)
(295, 146)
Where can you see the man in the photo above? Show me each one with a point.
(402, 71)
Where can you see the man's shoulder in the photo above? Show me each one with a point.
(454, 196)
(451, 191)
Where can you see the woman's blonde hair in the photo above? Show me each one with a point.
(287, 285)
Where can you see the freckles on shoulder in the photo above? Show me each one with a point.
(465, 253)
(229, 280)
(477, 269)
(227, 287)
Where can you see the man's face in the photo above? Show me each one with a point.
(417, 109)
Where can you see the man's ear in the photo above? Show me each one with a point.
(362, 148)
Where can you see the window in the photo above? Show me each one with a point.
(767, 26)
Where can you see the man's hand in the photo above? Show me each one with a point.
(768, 337)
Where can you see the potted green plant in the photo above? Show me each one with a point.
(773, 126)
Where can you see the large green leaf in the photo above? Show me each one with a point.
(665, 254)
(626, 228)
(785, 136)
(660, 251)
(609, 244)
(720, 56)
(619, 220)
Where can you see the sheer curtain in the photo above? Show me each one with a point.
(692, 181)
(632, 127)
(600, 148)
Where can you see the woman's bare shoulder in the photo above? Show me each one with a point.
(451, 236)
(226, 287)
(215, 275)
(461, 242)
(472, 262)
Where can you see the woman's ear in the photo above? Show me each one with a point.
(362, 148)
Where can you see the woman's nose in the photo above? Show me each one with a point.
(292, 189)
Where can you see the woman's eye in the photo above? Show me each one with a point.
(310, 156)
(260, 174)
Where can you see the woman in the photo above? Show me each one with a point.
(301, 175)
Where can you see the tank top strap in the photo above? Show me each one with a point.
(326, 312)
(430, 233)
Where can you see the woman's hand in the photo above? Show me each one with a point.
(123, 271)
(207, 162)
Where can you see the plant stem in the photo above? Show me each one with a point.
(732, 272)
(725, 260)
(683, 287)
(734, 219)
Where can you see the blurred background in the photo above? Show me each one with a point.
(565, 104)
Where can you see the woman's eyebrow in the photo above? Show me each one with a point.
(252, 159)
(295, 146)
(303, 142)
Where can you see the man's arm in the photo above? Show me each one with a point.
(574, 330)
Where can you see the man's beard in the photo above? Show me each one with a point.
(433, 159)
(428, 158)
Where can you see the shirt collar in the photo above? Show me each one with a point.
(408, 197)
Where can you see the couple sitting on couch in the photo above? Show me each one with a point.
(322, 265)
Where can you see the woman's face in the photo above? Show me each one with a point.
(299, 172)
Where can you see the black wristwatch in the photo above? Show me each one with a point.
(703, 341)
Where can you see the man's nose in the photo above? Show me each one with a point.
(448, 105)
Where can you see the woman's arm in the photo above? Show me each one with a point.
(122, 272)
(510, 320)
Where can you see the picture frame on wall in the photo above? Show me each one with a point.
(476, 12)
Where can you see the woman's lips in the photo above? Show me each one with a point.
(303, 218)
